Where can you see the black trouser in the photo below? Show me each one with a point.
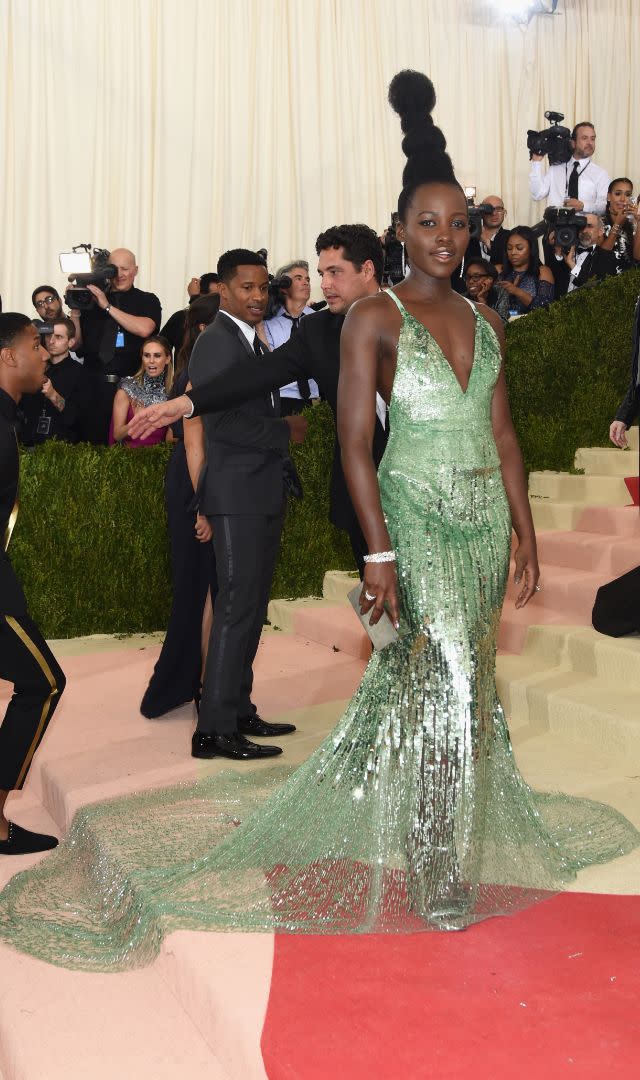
(26, 661)
(176, 676)
(246, 548)
(103, 393)
(292, 406)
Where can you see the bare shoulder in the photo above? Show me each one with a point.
(494, 320)
(376, 313)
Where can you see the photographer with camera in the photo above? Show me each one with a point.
(490, 244)
(295, 396)
(572, 179)
(46, 300)
(62, 409)
(112, 331)
(589, 260)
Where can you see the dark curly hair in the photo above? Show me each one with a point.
(413, 97)
(358, 242)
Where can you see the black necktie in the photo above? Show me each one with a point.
(572, 188)
(303, 384)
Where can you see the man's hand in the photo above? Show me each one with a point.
(297, 428)
(99, 297)
(537, 157)
(570, 257)
(204, 532)
(47, 388)
(618, 434)
(575, 204)
(157, 416)
(193, 288)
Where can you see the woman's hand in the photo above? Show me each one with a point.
(510, 286)
(381, 583)
(204, 531)
(527, 571)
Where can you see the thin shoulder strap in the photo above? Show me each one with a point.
(397, 301)
(471, 305)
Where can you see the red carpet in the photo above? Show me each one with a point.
(633, 487)
(551, 992)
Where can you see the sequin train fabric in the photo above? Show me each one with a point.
(412, 814)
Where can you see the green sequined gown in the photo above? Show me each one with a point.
(412, 814)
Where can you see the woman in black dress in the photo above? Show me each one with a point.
(177, 675)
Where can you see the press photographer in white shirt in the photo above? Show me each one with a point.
(558, 185)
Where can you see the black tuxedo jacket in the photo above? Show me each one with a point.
(630, 407)
(247, 445)
(313, 351)
(598, 264)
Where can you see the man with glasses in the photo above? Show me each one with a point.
(46, 300)
(491, 243)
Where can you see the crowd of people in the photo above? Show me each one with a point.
(113, 361)
(512, 270)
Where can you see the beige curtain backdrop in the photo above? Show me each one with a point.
(180, 128)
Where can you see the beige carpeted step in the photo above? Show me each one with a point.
(589, 490)
(577, 684)
(601, 461)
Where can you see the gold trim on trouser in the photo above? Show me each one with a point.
(13, 517)
(46, 708)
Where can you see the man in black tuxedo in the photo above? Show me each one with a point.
(242, 491)
(591, 261)
(350, 262)
(630, 406)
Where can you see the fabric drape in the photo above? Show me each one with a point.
(179, 129)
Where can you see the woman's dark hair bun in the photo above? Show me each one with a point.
(412, 95)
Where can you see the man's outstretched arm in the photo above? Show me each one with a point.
(231, 387)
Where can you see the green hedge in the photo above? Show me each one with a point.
(91, 547)
(91, 544)
(568, 367)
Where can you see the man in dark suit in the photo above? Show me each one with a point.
(630, 406)
(591, 261)
(242, 492)
(25, 658)
(350, 262)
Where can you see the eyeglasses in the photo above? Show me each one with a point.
(476, 277)
(46, 300)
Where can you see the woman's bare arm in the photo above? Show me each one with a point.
(361, 346)
(514, 479)
(119, 415)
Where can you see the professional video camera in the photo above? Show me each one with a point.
(476, 213)
(565, 224)
(394, 260)
(86, 266)
(43, 328)
(554, 141)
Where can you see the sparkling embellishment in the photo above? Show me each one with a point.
(412, 814)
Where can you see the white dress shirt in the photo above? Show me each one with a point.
(554, 184)
(580, 257)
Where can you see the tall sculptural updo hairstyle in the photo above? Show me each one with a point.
(413, 97)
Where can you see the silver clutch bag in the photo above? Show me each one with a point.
(383, 633)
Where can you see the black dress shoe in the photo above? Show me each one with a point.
(255, 725)
(232, 746)
(22, 842)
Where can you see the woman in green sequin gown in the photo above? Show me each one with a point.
(412, 814)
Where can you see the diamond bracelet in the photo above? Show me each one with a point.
(381, 556)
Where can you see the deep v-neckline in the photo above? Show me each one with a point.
(463, 390)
